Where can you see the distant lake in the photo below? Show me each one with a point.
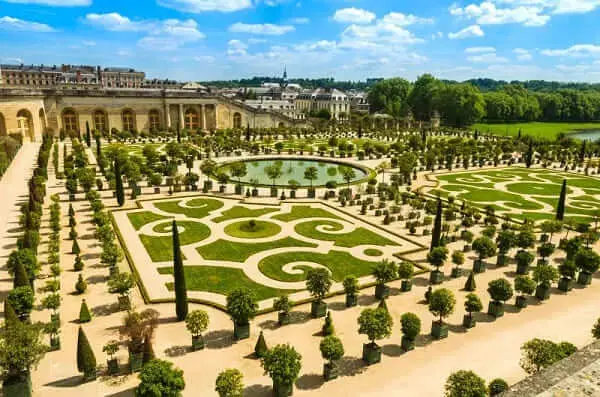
(591, 135)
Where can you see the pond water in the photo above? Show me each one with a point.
(591, 135)
(293, 169)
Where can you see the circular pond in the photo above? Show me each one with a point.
(293, 169)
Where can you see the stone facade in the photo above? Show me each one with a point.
(33, 112)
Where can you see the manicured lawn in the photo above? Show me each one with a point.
(160, 248)
(546, 130)
(340, 263)
(359, 236)
(252, 229)
(199, 207)
(373, 252)
(223, 250)
(139, 219)
(243, 212)
(222, 280)
(305, 212)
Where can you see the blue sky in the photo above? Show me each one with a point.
(345, 39)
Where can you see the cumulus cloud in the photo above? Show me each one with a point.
(354, 15)
(115, 22)
(522, 54)
(487, 13)
(321, 45)
(20, 25)
(479, 50)
(54, 3)
(470, 31)
(400, 19)
(576, 51)
(199, 6)
(261, 28)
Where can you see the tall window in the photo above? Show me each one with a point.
(100, 121)
(191, 120)
(128, 120)
(154, 120)
(237, 120)
(70, 120)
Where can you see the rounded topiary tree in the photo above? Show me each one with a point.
(411, 327)
(441, 304)
(472, 305)
(318, 283)
(376, 324)
(242, 307)
(283, 305)
(283, 364)
(332, 350)
(568, 272)
(384, 272)
(545, 250)
(436, 257)
(196, 323)
(121, 283)
(229, 383)
(350, 284)
(544, 276)
(497, 386)
(524, 260)
(485, 248)
(525, 286)
(21, 299)
(159, 378)
(500, 291)
(465, 384)
(458, 259)
(505, 240)
(406, 270)
(588, 263)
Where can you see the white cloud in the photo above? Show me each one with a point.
(377, 36)
(20, 25)
(236, 48)
(523, 54)
(265, 28)
(576, 51)
(115, 22)
(487, 13)
(470, 31)
(489, 57)
(199, 6)
(322, 45)
(300, 21)
(575, 6)
(54, 3)
(479, 50)
(12, 60)
(354, 15)
(400, 19)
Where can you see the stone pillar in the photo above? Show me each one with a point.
(203, 116)
(181, 121)
(168, 116)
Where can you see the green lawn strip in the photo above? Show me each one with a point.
(223, 250)
(203, 206)
(139, 219)
(542, 216)
(160, 248)
(492, 195)
(222, 280)
(341, 264)
(569, 210)
(373, 252)
(359, 236)
(305, 211)
(536, 129)
(243, 212)
(542, 189)
(261, 229)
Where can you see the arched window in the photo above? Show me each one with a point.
(237, 120)
(154, 120)
(128, 120)
(100, 123)
(70, 121)
(25, 123)
(42, 116)
(191, 119)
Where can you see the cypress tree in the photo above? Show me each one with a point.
(86, 361)
(84, 313)
(21, 279)
(582, 152)
(88, 135)
(560, 207)
(75, 248)
(470, 284)
(328, 328)
(72, 221)
(119, 183)
(248, 132)
(437, 227)
(10, 316)
(178, 132)
(98, 148)
(181, 303)
(148, 353)
(71, 210)
(260, 349)
(529, 155)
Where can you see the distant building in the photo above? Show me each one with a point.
(334, 100)
(359, 102)
(286, 108)
(121, 78)
(161, 84)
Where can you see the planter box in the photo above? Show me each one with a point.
(55, 318)
(274, 192)
(283, 389)
(351, 300)
(521, 302)
(197, 343)
(54, 343)
(456, 272)
(382, 291)
(439, 331)
(406, 285)
(241, 331)
(124, 303)
(478, 266)
(371, 353)
(496, 309)
(330, 371)
(468, 321)
(436, 277)
(90, 377)
(584, 278)
(318, 309)
(407, 344)
(136, 361)
(502, 259)
(522, 269)
(542, 292)
(283, 318)
(312, 193)
(113, 366)
(17, 387)
(238, 189)
(565, 284)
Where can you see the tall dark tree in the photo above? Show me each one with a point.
(248, 132)
(181, 303)
(86, 360)
(178, 132)
(529, 155)
(88, 135)
(98, 148)
(119, 183)
(560, 207)
(583, 151)
(437, 227)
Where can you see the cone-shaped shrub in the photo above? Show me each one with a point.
(10, 316)
(120, 193)
(328, 328)
(71, 210)
(84, 313)
(181, 303)
(261, 346)
(72, 221)
(80, 285)
(75, 248)
(470, 284)
(86, 361)
(21, 278)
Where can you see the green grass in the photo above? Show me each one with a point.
(244, 229)
(160, 248)
(373, 252)
(359, 236)
(543, 130)
(305, 212)
(243, 212)
(203, 207)
(222, 280)
(223, 250)
(139, 219)
(341, 264)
